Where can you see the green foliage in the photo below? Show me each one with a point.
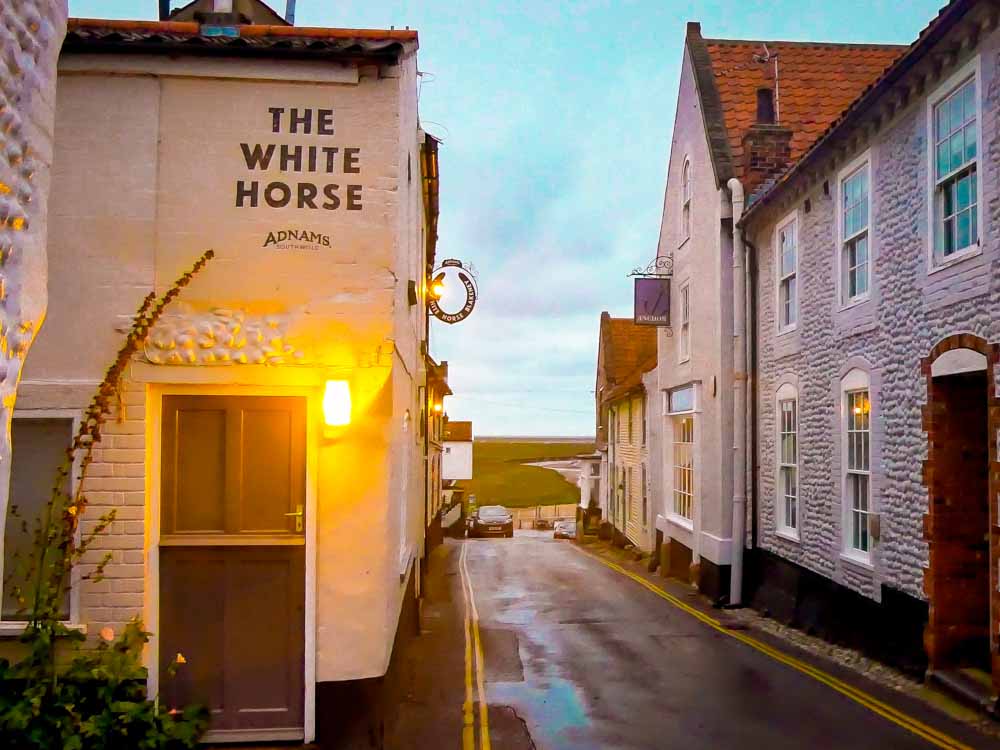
(500, 475)
(97, 700)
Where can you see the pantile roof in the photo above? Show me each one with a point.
(947, 18)
(458, 432)
(629, 351)
(179, 37)
(816, 82)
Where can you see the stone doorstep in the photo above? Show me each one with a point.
(973, 687)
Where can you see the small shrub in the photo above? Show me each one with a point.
(96, 702)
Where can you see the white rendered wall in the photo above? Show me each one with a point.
(457, 460)
(704, 262)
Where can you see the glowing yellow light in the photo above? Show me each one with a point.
(438, 407)
(337, 403)
(857, 409)
(436, 288)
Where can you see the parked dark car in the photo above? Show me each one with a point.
(491, 520)
(542, 523)
(564, 530)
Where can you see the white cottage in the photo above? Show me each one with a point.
(266, 465)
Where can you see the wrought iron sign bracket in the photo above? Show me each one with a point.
(652, 293)
(661, 267)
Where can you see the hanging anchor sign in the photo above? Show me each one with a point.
(451, 268)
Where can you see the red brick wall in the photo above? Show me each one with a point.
(953, 526)
(767, 150)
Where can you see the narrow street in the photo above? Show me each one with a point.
(577, 655)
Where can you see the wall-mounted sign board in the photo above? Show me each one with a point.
(652, 301)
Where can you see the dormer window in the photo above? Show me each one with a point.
(686, 201)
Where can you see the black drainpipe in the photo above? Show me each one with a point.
(164, 10)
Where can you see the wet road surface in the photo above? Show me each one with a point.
(576, 655)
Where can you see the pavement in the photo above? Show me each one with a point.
(532, 642)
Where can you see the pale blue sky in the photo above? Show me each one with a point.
(556, 121)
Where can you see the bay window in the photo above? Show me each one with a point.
(684, 466)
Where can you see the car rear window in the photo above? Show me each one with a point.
(493, 513)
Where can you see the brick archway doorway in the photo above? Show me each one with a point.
(961, 420)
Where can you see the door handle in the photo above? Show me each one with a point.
(298, 517)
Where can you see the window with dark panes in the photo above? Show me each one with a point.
(956, 224)
(39, 448)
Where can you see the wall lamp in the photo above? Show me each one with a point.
(436, 288)
(337, 403)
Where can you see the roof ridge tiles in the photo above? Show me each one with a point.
(806, 43)
(818, 80)
(247, 30)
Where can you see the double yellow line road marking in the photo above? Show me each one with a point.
(917, 727)
(475, 664)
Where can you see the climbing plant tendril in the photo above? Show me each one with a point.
(96, 698)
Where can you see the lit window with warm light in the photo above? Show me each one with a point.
(857, 488)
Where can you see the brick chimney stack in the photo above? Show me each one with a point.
(767, 151)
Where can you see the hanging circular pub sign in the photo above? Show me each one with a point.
(452, 269)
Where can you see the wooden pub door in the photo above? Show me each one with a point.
(232, 562)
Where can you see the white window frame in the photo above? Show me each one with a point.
(686, 191)
(855, 381)
(861, 162)
(682, 500)
(970, 70)
(684, 339)
(787, 392)
(792, 220)
(668, 409)
(16, 627)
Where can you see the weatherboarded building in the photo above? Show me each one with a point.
(267, 460)
(877, 401)
(627, 439)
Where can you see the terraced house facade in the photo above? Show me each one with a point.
(877, 312)
(628, 440)
(735, 128)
